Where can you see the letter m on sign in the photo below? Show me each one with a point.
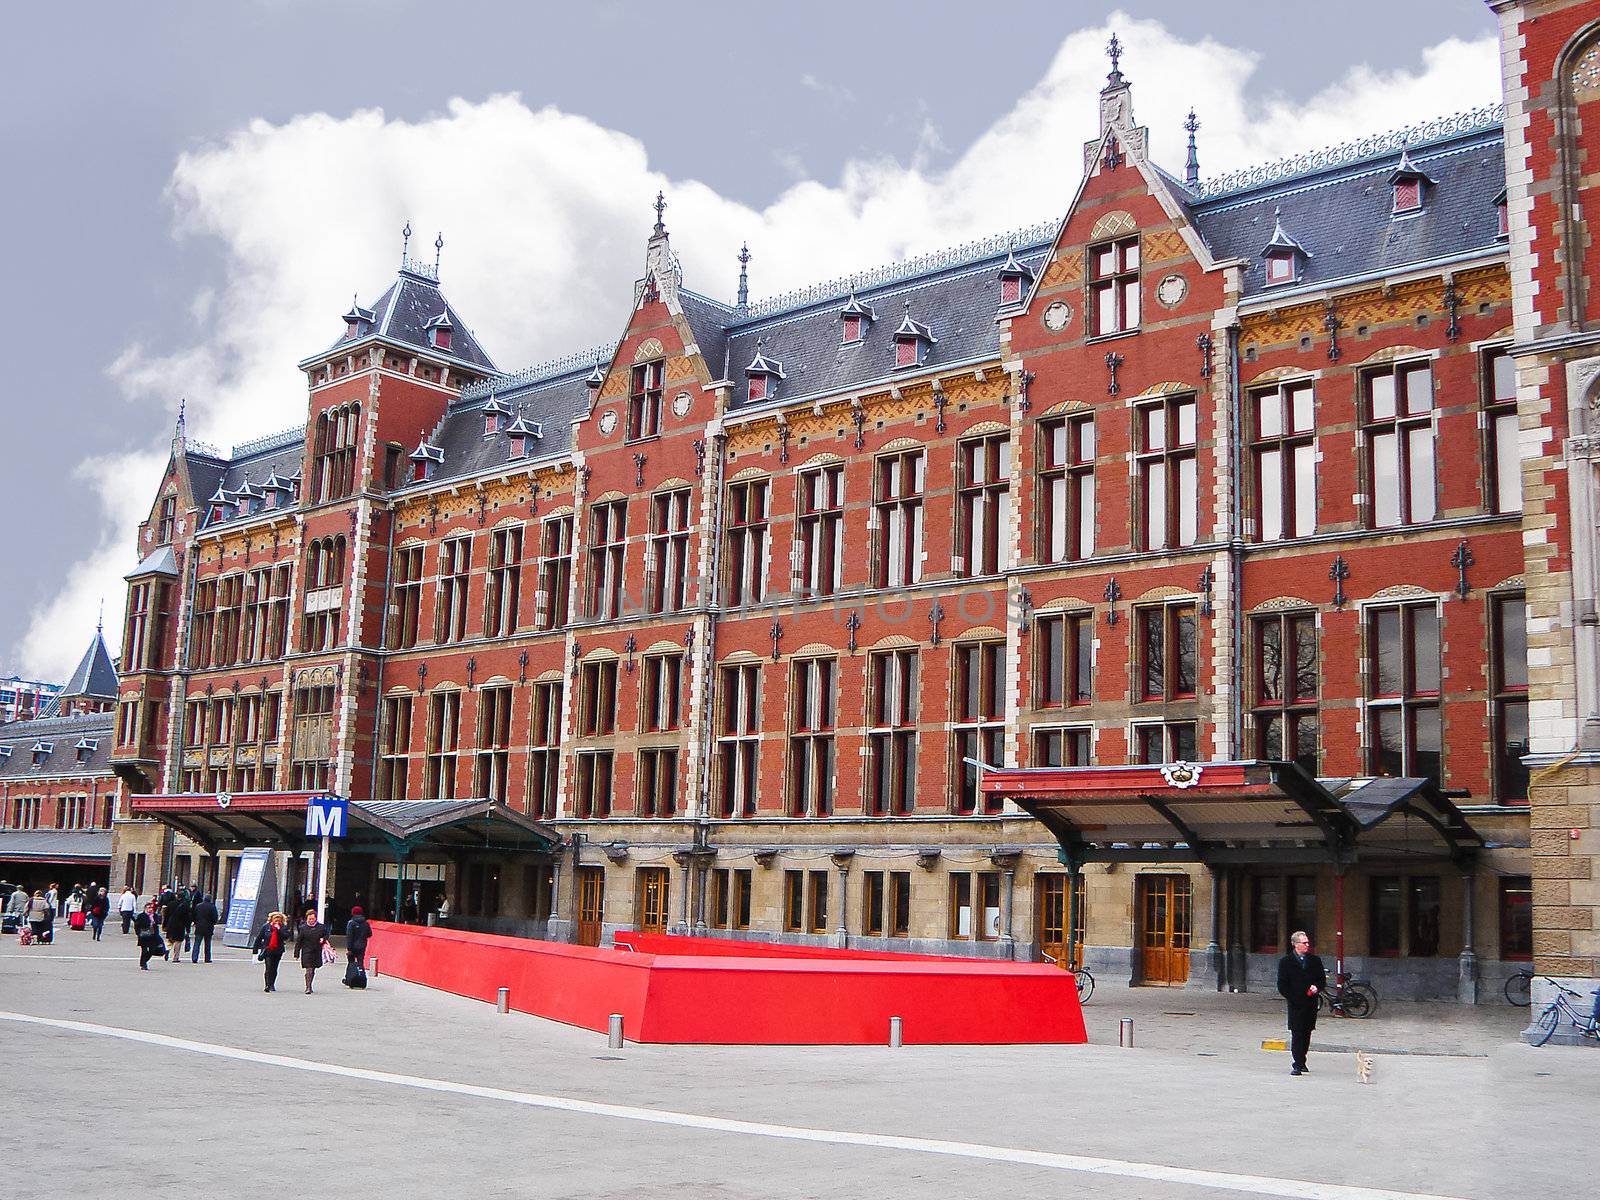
(325, 816)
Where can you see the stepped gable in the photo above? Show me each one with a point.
(61, 735)
(1340, 205)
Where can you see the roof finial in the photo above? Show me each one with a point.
(100, 621)
(183, 405)
(1191, 168)
(438, 249)
(405, 243)
(1114, 52)
(744, 275)
(661, 207)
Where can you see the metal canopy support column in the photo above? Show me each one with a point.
(1467, 981)
(1214, 962)
(1238, 965)
(1074, 864)
(1338, 919)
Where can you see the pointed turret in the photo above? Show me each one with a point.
(92, 686)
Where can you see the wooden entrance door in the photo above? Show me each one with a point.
(591, 904)
(653, 890)
(1164, 908)
(1051, 907)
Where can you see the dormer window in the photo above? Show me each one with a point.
(1280, 267)
(495, 416)
(854, 318)
(358, 320)
(1285, 257)
(764, 375)
(425, 462)
(912, 340)
(1409, 184)
(222, 504)
(1502, 217)
(1014, 280)
(42, 751)
(5, 754)
(522, 433)
(85, 747)
(439, 332)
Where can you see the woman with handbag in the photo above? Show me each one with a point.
(311, 945)
(148, 927)
(270, 945)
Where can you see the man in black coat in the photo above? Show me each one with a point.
(205, 917)
(1301, 978)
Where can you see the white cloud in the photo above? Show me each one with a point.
(545, 214)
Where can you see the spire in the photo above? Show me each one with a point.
(100, 621)
(1114, 77)
(1191, 166)
(661, 207)
(744, 275)
(1116, 98)
(438, 249)
(405, 243)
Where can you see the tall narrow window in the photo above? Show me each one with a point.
(1405, 733)
(494, 743)
(1285, 462)
(1398, 427)
(1168, 658)
(505, 582)
(544, 757)
(257, 608)
(167, 520)
(644, 400)
(555, 571)
(1509, 684)
(394, 763)
(669, 551)
(444, 740)
(887, 903)
(794, 901)
(1516, 918)
(813, 711)
(747, 541)
(597, 716)
(658, 781)
(980, 713)
(1168, 478)
(608, 540)
(663, 693)
(820, 530)
(278, 617)
(313, 737)
(203, 623)
(1114, 286)
(985, 504)
(594, 783)
(892, 732)
(739, 740)
(1500, 433)
(1286, 676)
(324, 594)
(404, 612)
(898, 509)
(135, 627)
(975, 905)
(1063, 667)
(334, 453)
(230, 604)
(730, 899)
(455, 567)
(1066, 488)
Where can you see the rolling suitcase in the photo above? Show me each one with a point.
(75, 920)
(355, 975)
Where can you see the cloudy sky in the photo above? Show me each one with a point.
(196, 189)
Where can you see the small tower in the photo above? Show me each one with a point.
(744, 276)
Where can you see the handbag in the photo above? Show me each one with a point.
(329, 955)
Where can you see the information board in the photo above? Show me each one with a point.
(254, 892)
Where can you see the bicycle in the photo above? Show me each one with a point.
(1349, 997)
(1080, 976)
(1550, 1019)
(1519, 989)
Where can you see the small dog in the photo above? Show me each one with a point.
(1363, 1066)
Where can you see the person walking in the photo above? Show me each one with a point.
(39, 914)
(127, 905)
(175, 924)
(17, 902)
(148, 926)
(1301, 978)
(99, 910)
(357, 933)
(205, 924)
(309, 939)
(270, 945)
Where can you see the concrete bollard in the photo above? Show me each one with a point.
(373, 968)
(502, 1002)
(614, 1031)
(895, 1033)
(1125, 1033)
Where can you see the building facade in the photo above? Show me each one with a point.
(742, 604)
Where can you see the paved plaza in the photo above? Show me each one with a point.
(189, 1081)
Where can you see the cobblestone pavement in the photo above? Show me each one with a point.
(189, 1081)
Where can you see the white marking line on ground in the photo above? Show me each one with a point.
(45, 957)
(1260, 1185)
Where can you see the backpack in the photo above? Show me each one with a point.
(355, 975)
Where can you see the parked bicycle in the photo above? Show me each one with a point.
(1587, 1024)
(1080, 975)
(1519, 988)
(1349, 997)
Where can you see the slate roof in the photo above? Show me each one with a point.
(28, 844)
(403, 313)
(62, 734)
(94, 677)
(1343, 216)
(159, 561)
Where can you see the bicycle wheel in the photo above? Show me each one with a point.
(1369, 996)
(1085, 983)
(1519, 990)
(1548, 1020)
(1356, 1003)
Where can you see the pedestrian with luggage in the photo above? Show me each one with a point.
(99, 910)
(1301, 978)
(39, 916)
(309, 941)
(148, 928)
(270, 945)
(205, 918)
(357, 933)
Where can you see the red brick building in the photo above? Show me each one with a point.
(1207, 471)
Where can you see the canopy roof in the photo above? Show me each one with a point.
(223, 821)
(90, 847)
(1234, 813)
